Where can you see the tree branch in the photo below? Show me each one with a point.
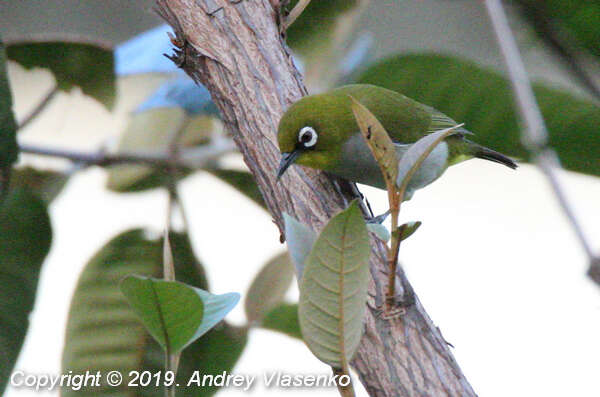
(535, 135)
(235, 49)
(189, 158)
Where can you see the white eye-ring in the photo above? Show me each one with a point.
(308, 137)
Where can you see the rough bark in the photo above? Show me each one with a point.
(235, 49)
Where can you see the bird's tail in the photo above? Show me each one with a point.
(481, 152)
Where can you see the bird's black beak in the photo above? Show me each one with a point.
(287, 159)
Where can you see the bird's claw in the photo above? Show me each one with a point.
(379, 219)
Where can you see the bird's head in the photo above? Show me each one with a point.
(312, 132)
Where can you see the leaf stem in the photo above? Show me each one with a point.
(348, 390)
(39, 108)
(171, 364)
(394, 247)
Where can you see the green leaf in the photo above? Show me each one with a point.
(333, 290)
(45, 183)
(283, 318)
(483, 100)
(216, 352)
(175, 313)
(8, 127)
(242, 181)
(408, 229)
(300, 240)
(379, 142)
(25, 236)
(268, 287)
(86, 65)
(417, 153)
(104, 333)
(170, 311)
(579, 18)
(379, 230)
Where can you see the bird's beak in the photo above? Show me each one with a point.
(287, 159)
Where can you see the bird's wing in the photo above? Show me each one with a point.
(439, 121)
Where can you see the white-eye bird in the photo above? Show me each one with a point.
(320, 131)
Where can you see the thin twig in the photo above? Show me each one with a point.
(535, 135)
(295, 13)
(190, 158)
(39, 108)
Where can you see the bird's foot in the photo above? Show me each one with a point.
(379, 218)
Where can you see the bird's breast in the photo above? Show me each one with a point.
(357, 164)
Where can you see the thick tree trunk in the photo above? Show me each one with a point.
(235, 49)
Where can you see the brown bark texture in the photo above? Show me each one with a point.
(235, 48)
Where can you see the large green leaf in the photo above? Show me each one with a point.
(8, 127)
(103, 333)
(268, 288)
(25, 236)
(333, 290)
(579, 18)
(483, 100)
(86, 65)
(283, 318)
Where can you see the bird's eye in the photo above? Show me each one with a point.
(308, 137)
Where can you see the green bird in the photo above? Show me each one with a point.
(320, 131)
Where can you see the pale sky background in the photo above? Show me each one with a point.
(495, 263)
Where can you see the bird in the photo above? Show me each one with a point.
(320, 131)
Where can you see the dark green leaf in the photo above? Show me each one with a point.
(25, 236)
(578, 19)
(169, 310)
(46, 184)
(215, 352)
(175, 313)
(86, 65)
(8, 127)
(283, 318)
(103, 333)
(408, 229)
(483, 100)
